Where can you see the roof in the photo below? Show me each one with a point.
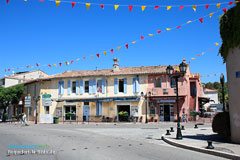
(210, 90)
(20, 73)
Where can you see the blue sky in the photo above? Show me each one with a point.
(38, 32)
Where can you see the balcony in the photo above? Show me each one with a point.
(167, 91)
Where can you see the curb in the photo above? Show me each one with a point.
(202, 150)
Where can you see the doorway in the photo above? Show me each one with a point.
(166, 112)
(123, 113)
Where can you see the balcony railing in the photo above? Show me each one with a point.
(167, 91)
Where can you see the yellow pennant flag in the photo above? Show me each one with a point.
(66, 63)
(134, 42)
(90, 56)
(25, 0)
(55, 64)
(217, 44)
(57, 3)
(194, 8)
(116, 7)
(88, 5)
(105, 53)
(178, 69)
(150, 35)
(118, 48)
(143, 8)
(218, 5)
(193, 58)
(77, 59)
(189, 21)
(31, 67)
(210, 15)
(169, 7)
(168, 29)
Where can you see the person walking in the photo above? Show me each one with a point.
(24, 120)
(184, 117)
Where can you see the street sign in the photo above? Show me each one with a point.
(46, 96)
(27, 102)
(46, 101)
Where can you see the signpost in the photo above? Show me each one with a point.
(46, 100)
(28, 103)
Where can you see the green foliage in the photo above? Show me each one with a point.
(230, 30)
(221, 124)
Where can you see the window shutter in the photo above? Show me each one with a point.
(69, 87)
(33, 90)
(36, 90)
(103, 86)
(160, 82)
(77, 86)
(81, 86)
(134, 86)
(94, 86)
(125, 85)
(62, 87)
(115, 85)
(90, 86)
(59, 87)
(100, 108)
(137, 85)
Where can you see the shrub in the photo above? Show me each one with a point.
(221, 124)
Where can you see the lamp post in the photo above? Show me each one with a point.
(223, 95)
(176, 75)
(36, 99)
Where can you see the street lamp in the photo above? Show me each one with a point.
(36, 99)
(223, 95)
(176, 75)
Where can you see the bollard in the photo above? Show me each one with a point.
(171, 129)
(210, 146)
(196, 126)
(183, 128)
(168, 132)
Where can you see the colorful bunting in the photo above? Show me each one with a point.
(159, 31)
(224, 10)
(150, 35)
(116, 7)
(169, 7)
(91, 56)
(49, 65)
(37, 64)
(198, 55)
(55, 65)
(118, 48)
(71, 61)
(168, 29)
(7, 1)
(201, 20)
(193, 58)
(218, 5)
(102, 6)
(143, 8)
(98, 55)
(112, 51)
(130, 8)
(126, 46)
(194, 8)
(142, 37)
(84, 57)
(41, 0)
(57, 3)
(207, 5)
(88, 5)
(210, 15)
(105, 53)
(178, 27)
(181, 7)
(60, 64)
(217, 44)
(27, 66)
(66, 63)
(189, 21)
(230, 3)
(156, 7)
(73, 4)
(134, 42)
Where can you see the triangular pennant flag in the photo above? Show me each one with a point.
(207, 5)
(88, 5)
(181, 7)
(27, 66)
(49, 65)
(84, 57)
(150, 35)
(8, 69)
(7, 1)
(71, 61)
(168, 29)
(126, 46)
(37, 65)
(210, 15)
(193, 58)
(230, 3)
(218, 5)
(55, 64)
(178, 27)
(116, 7)
(90, 56)
(194, 8)
(156, 7)
(105, 53)
(224, 10)
(118, 48)
(169, 7)
(189, 21)
(217, 44)
(60, 64)
(73, 4)
(102, 6)
(77, 59)
(201, 20)
(198, 55)
(130, 8)
(66, 63)
(143, 8)
(25, 0)
(57, 3)
(112, 51)
(98, 55)
(41, 0)
(134, 42)
(159, 31)
(142, 37)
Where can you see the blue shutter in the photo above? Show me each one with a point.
(90, 86)
(137, 85)
(134, 86)
(81, 86)
(125, 85)
(77, 86)
(62, 87)
(59, 87)
(69, 87)
(103, 86)
(100, 108)
(94, 86)
(115, 85)
(36, 90)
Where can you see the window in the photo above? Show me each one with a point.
(121, 85)
(193, 89)
(172, 82)
(152, 108)
(46, 108)
(30, 110)
(86, 103)
(158, 83)
(60, 87)
(86, 86)
(165, 91)
(136, 86)
(99, 86)
(98, 109)
(73, 86)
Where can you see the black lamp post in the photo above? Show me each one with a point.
(223, 95)
(176, 75)
(36, 99)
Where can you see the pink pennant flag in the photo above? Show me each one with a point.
(60, 64)
(142, 37)
(41, 0)
(49, 65)
(224, 10)
(73, 4)
(98, 55)
(112, 51)
(201, 20)
(126, 46)
(8, 69)
(130, 8)
(37, 65)
(159, 31)
(27, 66)
(198, 55)
(178, 27)
(84, 57)
(207, 5)
(102, 6)
(230, 3)
(156, 7)
(181, 7)
(71, 61)
(7, 1)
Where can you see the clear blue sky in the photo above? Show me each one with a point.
(38, 32)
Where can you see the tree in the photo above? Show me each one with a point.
(11, 95)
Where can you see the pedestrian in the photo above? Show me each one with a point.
(24, 120)
(184, 117)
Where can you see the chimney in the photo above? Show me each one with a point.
(115, 65)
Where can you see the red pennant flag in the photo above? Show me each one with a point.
(198, 55)
(8, 69)
(224, 10)
(142, 37)
(102, 6)
(207, 5)
(71, 61)
(130, 8)
(49, 65)
(181, 7)
(126, 46)
(112, 51)
(178, 27)
(27, 66)
(73, 4)
(156, 7)
(84, 57)
(60, 64)
(98, 55)
(201, 20)
(41, 0)
(7, 1)
(37, 65)
(230, 3)
(159, 31)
